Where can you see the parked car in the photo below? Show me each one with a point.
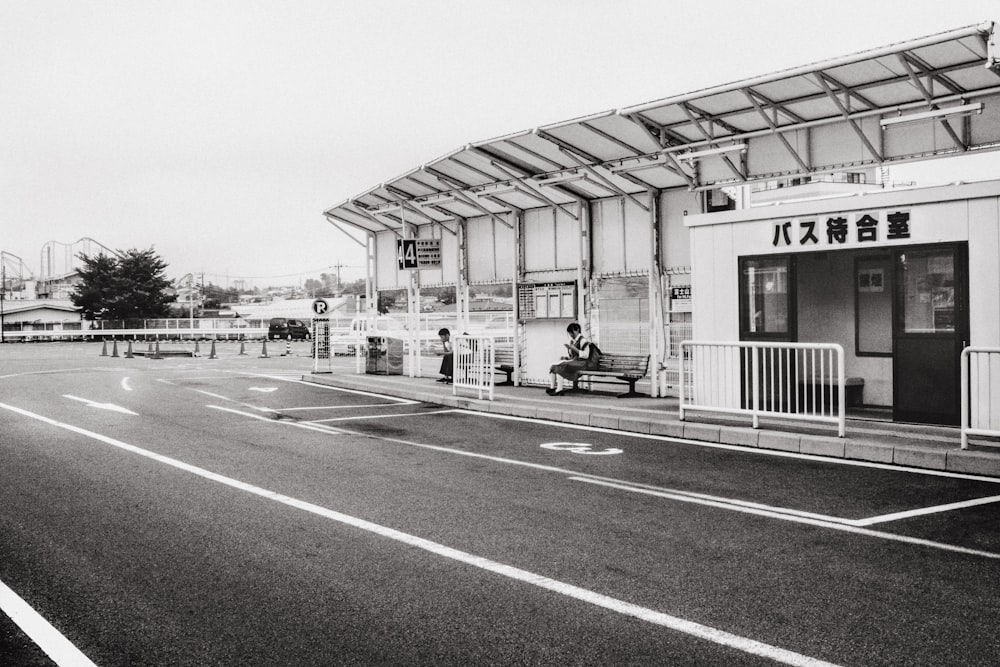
(288, 329)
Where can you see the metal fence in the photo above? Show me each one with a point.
(473, 363)
(802, 381)
(980, 393)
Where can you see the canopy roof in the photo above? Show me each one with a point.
(929, 97)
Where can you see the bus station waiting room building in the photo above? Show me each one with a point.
(902, 279)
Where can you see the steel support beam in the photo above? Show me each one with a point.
(846, 114)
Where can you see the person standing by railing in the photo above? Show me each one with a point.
(447, 362)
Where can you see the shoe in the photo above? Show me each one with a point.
(443, 380)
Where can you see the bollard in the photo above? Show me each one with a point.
(243, 349)
(212, 354)
(104, 349)
(288, 347)
(114, 349)
(128, 352)
(263, 350)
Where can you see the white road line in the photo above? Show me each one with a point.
(394, 399)
(407, 414)
(896, 516)
(783, 514)
(46, 637)
(341, 407)
(691, 628)
(796, 519)
(740, 448)
(231, 400)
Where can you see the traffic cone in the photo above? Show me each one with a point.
(288, 348)
(197, 352)
(104, 349)
(243, 349)
(114, 349)
(263, 351)
(128, 352)
(149, 351)
(156, 352)
(212, 354)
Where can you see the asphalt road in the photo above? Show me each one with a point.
(220, 512)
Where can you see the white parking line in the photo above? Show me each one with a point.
(704, 632)
(341, 407)
(740, 448)
(408, 414)
(394, 399)
(40, 631)
(896, 516)
(784, 514)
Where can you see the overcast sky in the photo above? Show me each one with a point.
(217, 132)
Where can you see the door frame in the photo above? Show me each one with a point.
(951, 413)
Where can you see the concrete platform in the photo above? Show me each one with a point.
(905, 445)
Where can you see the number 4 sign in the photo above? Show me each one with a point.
(406, 253)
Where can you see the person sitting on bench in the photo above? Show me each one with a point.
(578, 351)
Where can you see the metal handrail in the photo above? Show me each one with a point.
(766, 382)
(977, 379)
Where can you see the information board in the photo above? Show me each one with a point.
(418, 253)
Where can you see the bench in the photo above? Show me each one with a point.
(628, 368)
(854, 390)
(503, 361)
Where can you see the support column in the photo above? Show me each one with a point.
(583, 269)
(462, 279)
(656, 315)
(517, 277)
(413, 311)
(371, 293)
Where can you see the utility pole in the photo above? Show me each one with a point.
(337, 266)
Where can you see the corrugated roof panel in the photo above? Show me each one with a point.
(869, 84)
(589, 142)
(625, 130)
(542, 152)
(894, 94)
(723, 103)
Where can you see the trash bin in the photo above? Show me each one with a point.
(385, 356)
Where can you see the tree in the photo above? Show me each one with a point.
(130, 285)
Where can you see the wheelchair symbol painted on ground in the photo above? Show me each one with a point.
(580, 448)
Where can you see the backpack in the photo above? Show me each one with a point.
(594, 355)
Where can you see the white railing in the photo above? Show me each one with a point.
(980, 393)
(472, 364)
(329, 340)
(185, 332)
(803, 381)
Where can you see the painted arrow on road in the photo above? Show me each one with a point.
(103, 406)
(264, 389)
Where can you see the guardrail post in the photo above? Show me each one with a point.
(965, 398)
(842, 389)
(680, 365)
